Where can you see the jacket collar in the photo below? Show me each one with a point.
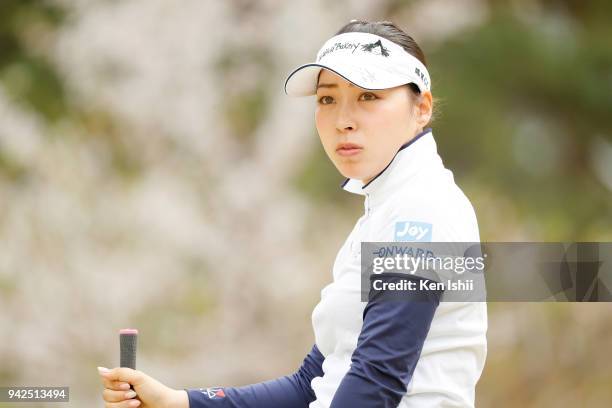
(409, 159)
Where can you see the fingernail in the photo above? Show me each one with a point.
(134, 403)
(103, 370)
(130, 395)
(125, 386)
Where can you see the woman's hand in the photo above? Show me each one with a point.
(147, 393)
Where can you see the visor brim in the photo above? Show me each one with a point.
(303, 80)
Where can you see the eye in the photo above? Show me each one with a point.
(367, 96)
(326, 100)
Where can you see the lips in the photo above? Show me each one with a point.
(348, 149)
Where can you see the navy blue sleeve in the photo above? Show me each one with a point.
(291, 391)
(395, 325)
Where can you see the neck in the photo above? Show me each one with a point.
(419, 131)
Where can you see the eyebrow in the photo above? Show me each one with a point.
(330, 85)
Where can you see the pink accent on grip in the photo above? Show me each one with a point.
(128, 331)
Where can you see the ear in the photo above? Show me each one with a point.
(424, 108)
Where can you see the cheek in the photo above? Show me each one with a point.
(392, 122)
(322, 119)
(318, 118)
(324, 129)
(390, 115)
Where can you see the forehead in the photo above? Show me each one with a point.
(327, 77)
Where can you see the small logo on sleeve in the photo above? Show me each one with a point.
(214, 393)
(413, 231)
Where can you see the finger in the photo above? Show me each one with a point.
(123, 374)
(115, 385)
(117, 396)
(123, 404)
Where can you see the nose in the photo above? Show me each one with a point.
(345, 119)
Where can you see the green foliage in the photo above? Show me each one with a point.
(30, 78)
(11, 169)
(245, 111)
(245, 106)
(508, 72)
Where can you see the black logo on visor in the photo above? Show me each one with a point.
(371, 47)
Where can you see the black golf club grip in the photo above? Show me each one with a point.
(128, 339)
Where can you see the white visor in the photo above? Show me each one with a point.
(367, 60)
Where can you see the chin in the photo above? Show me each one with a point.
(352, 170)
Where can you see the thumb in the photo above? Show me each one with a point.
(123, 374)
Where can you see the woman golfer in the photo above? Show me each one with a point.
(374, 101)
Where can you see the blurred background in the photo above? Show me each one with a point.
(153, 174)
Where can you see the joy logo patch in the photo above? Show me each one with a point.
(413, 231)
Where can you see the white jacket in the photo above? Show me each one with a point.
(414, 199)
